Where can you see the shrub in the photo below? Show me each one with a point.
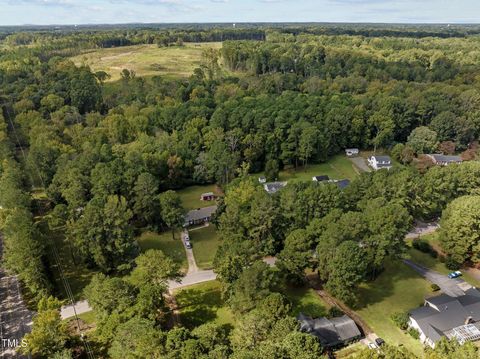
(452, 264)
(414, 333)
(434, 287)
(335, 312)
(422, 245)
(400, 320)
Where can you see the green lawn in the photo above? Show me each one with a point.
(190, 196)
(205, 242)
(163, 241)
(202, 303)
(434, 263)
(308, 302)
(146, 60)
(338, 167)
(398, 289)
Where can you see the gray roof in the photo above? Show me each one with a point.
(321, 178)
(330, 332)
(446, 158)
(342, 183)
(383, 159)
(200, 213)
(452, 312)
(273, 187)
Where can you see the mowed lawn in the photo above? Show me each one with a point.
(398, 289)
(205, 242)
(190, 196)
(337, 167)
(171, 247)
(146, 60)
(305, 300)
(202, 303)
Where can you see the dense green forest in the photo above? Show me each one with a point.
(108, 156)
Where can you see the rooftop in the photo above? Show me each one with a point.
(200, 213)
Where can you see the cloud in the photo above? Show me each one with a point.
(54, 3)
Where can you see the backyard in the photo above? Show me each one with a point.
(205, 242)
(398, 289)
(337, 167)
(305, 300)
(190, 196)
(146, 60)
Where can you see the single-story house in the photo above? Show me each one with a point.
(379, 162)
(262, 179)
(445, 316)
(444, 160)
(273, 187)
(330, 332)
(320, 178)
(209, 196)
(350, 152)
(199, 216)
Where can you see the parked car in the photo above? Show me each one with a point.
(188, 244)
(455, 274)
(379, 342)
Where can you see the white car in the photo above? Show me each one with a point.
(372, 346)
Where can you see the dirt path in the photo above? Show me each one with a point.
(316, 285)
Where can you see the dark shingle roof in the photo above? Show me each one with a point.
(342, 184)
(322, 178)
(200, 213)
(446, 158)
(273, 187)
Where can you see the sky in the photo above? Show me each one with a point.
(48, 12)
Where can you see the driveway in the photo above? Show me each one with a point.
(360, 163)
(452, 287)
(68, 311)
(192, 265)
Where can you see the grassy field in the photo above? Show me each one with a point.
(306, 301)
(397, 289)
(163, 241)
(202, 303)
(190, 196)
(434, 263)
(146, 60)
(205, 242)
(337, 167)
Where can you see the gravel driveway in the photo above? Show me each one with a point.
(360, 163)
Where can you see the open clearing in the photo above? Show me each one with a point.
(173, 248)
(190, 196)
(337, 167)
(305, 300)
(205, 242)
(398, 289)
(146, 60)
(202, 303)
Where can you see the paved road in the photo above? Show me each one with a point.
(422, 229)
(453, 287)
(67, 311)
(15, 318)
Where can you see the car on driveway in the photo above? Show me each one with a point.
(379, 342)
(188, 244)
(455, 274)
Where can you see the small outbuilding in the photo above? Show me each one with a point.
(320, 178)
(262, 179)
(208, 196)
(352, 152)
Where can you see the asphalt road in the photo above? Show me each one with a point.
(15, 318)
(451, 287)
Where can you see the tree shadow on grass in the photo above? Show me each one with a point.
(198, 306)
(388, 284)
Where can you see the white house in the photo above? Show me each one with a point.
(444, 160)
(379, 162)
